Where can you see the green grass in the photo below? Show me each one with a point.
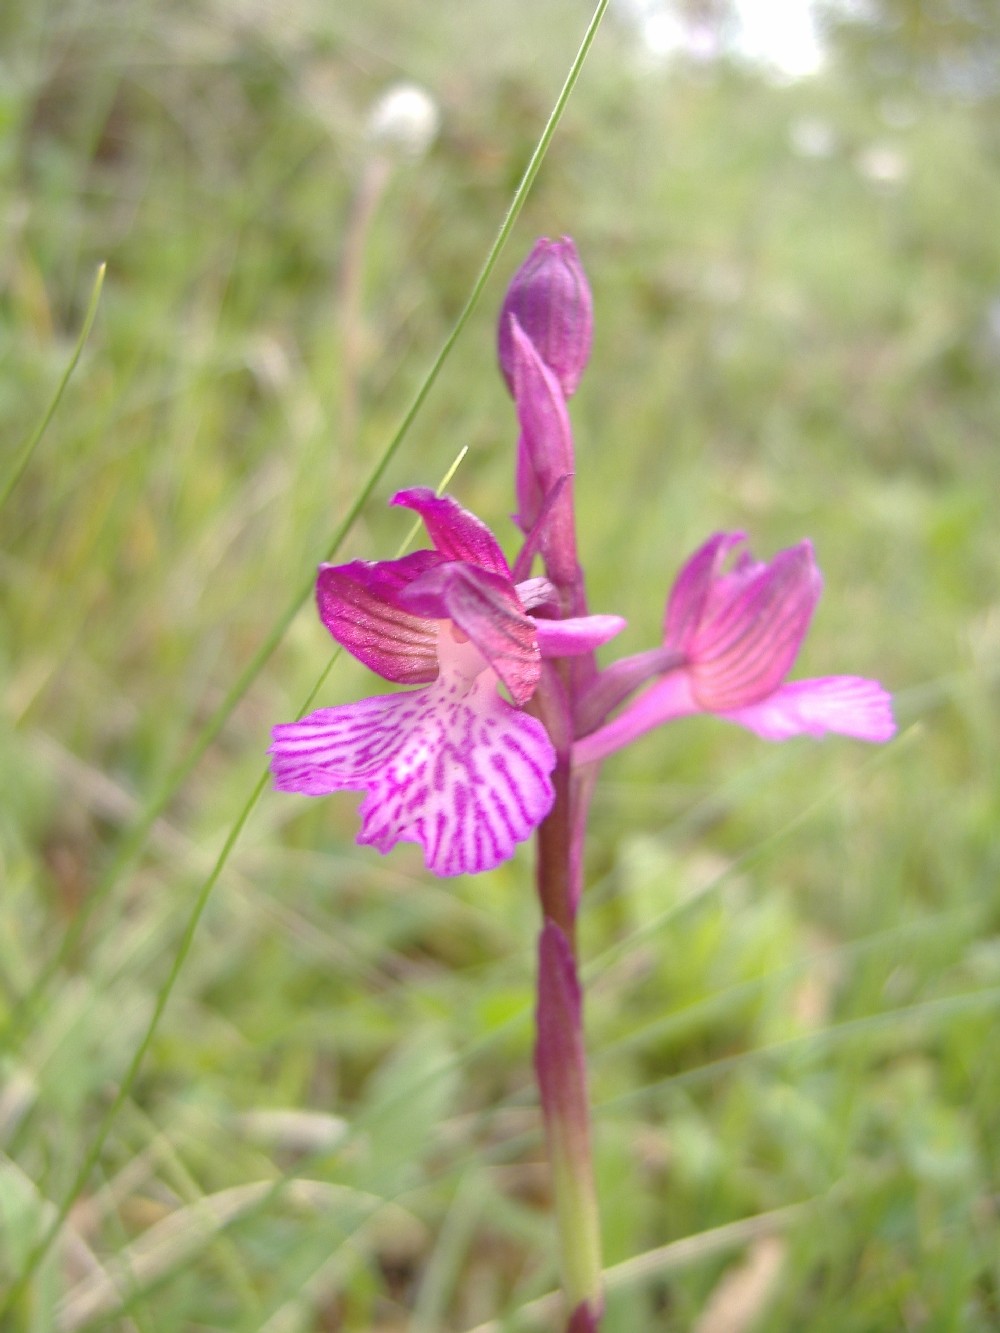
(792, 952)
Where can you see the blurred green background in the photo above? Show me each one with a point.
(792, 951)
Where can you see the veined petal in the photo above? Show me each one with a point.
(485, 607)
(359, 604)
(576, 634)
(849, 705)
(452, 766)
(741, 631)
(689, 595)
(456, 533)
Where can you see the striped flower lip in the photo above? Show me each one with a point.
(453, 766)
(730, 638)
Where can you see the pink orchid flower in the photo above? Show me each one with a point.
(730, 639)
(453, 766)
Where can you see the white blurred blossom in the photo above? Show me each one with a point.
(405, 119)
(883, 165)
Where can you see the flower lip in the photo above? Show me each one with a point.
(452, 766)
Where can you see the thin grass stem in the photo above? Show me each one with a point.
(92, 1155)
(31, 444)
(136, 839)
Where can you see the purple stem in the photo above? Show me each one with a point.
(560, 1053)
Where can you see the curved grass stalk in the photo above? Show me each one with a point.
(212, 728)
(135, 841)
(33, 441)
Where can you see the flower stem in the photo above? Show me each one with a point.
(554, 839)
(560, 1052)
(560, 1066)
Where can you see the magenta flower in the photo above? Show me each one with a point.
(730, 639)
(453, 766)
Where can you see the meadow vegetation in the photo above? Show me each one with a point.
(792, 951)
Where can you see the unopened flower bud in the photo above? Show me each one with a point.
(405, 120)
(550, 298)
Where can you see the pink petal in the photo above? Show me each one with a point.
(456, 534)
(452, 766)
(545, 450)
(543, 512)
(485, 607)
(541, 410)
(741, 631)
(849, 705)
(526, 488)
(576, 634)
(689, 595)
(359, 605)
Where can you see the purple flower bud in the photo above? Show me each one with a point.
(550, 298)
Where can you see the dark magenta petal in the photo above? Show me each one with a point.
(359, 604)
(550, 298)
(487, 610)
(456, 534)
(452, 766)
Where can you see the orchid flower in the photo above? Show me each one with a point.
(468, 773)
(453, 766)
(730, 639)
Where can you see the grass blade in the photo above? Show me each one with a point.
(137, 839)
(31, 444)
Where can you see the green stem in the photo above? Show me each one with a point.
(31, 444)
